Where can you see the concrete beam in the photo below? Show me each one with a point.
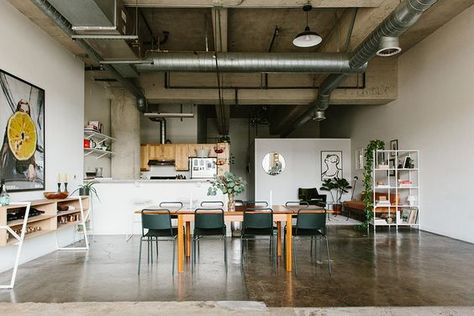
(252, 3)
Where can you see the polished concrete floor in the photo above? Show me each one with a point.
(389, 269)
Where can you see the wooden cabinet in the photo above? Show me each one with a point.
(144, 157)
(161, 152)
(181, 157)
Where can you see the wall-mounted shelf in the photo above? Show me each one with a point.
(99, 140)
(99, 152)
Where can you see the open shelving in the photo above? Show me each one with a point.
(396, 188)
(45, 223)
(99, 139)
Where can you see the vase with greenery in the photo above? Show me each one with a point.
(229, 184)
(372, 147)
(337, 187)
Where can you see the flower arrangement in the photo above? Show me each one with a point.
(229, 184)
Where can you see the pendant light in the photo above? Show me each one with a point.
(307, 38)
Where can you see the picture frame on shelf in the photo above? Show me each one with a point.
(393, 146)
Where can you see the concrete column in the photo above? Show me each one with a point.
(125, 127)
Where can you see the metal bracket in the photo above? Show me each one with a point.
(84, 230)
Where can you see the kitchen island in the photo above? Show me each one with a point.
(113, 211)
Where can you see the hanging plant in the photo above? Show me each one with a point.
(368, 191)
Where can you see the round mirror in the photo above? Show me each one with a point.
(273, 163)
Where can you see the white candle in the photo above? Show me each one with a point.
(65, 177)
(59, 177)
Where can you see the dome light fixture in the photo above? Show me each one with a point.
(307, 38)
(389, 46)
(319, 116)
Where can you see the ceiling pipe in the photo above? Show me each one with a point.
(401, 19)
(66, 27)
(249, 62)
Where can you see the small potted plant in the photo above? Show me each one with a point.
(86, 189)
(229, 184)
(337, 187)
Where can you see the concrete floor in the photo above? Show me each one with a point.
(391, 269)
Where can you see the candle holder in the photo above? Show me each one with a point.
(65, 186)
(59, 187)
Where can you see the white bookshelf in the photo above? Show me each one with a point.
(396, 188)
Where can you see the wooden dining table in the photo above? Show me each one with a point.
(281, 213)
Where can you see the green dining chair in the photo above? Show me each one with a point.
(310, 223)
(208, 223)
(256, 222)
(156, 226)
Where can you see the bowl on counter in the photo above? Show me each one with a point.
(55, 195)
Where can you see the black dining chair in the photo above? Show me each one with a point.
(298, 204)
(172, 205)
(208, 223)
(256, 204)
(156, 225)
(310, 223)
(257, 222)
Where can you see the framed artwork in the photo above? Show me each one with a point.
(393, 146)
(392, 166)
(331, 164)
(22, 123)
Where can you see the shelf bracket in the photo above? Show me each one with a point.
(20, 239)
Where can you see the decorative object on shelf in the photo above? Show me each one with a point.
(339, 186)
(393, 146)
(411, 199)
(4, 196)
(273, 163)
(218, 149)
(331, 165)
(55, 195)
(369, 161)
(229, 184)
(224, 139)
(95, 126)
(22, 153)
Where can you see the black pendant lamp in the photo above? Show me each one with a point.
(307, 38)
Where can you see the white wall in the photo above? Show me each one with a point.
(29, 53)
(433, 113)
(303, 166)
(97, 108)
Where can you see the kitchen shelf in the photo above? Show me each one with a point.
(101, 153)
(99, 137)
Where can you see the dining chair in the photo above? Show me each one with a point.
(156, 225)
(256, 222)
(296, 204)
(310, 223)
(212, 204)
(174, 205)
(208, 223)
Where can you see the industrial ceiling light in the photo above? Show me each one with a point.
(307, 38)
(319, 116)
(389, 46)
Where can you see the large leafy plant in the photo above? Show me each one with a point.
(373, 146)
(339, 186)
(227, 184)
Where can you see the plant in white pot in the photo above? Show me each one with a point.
(229, 184)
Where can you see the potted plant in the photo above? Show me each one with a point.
(229, 184)
(86, 189)
(337, 187)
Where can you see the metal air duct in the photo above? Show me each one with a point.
(400, 20)
(249, 62)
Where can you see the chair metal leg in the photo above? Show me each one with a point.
(293, 242)
(156, 249)
(329, 257)
(148, 250)
(241, 250)
(140, 256)
(225, 253)
(193, 254)
(311, 249)
(174, 255)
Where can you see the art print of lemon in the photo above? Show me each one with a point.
(21, 131)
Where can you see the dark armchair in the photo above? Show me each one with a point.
(312, 196)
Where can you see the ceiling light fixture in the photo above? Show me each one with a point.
(307, 38)
(389, 46)
(319, 116)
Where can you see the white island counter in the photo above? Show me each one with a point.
(113, 212)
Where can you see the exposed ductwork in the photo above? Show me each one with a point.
(66, 27)
(249, 62)
(401, 19)
(162, 131)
